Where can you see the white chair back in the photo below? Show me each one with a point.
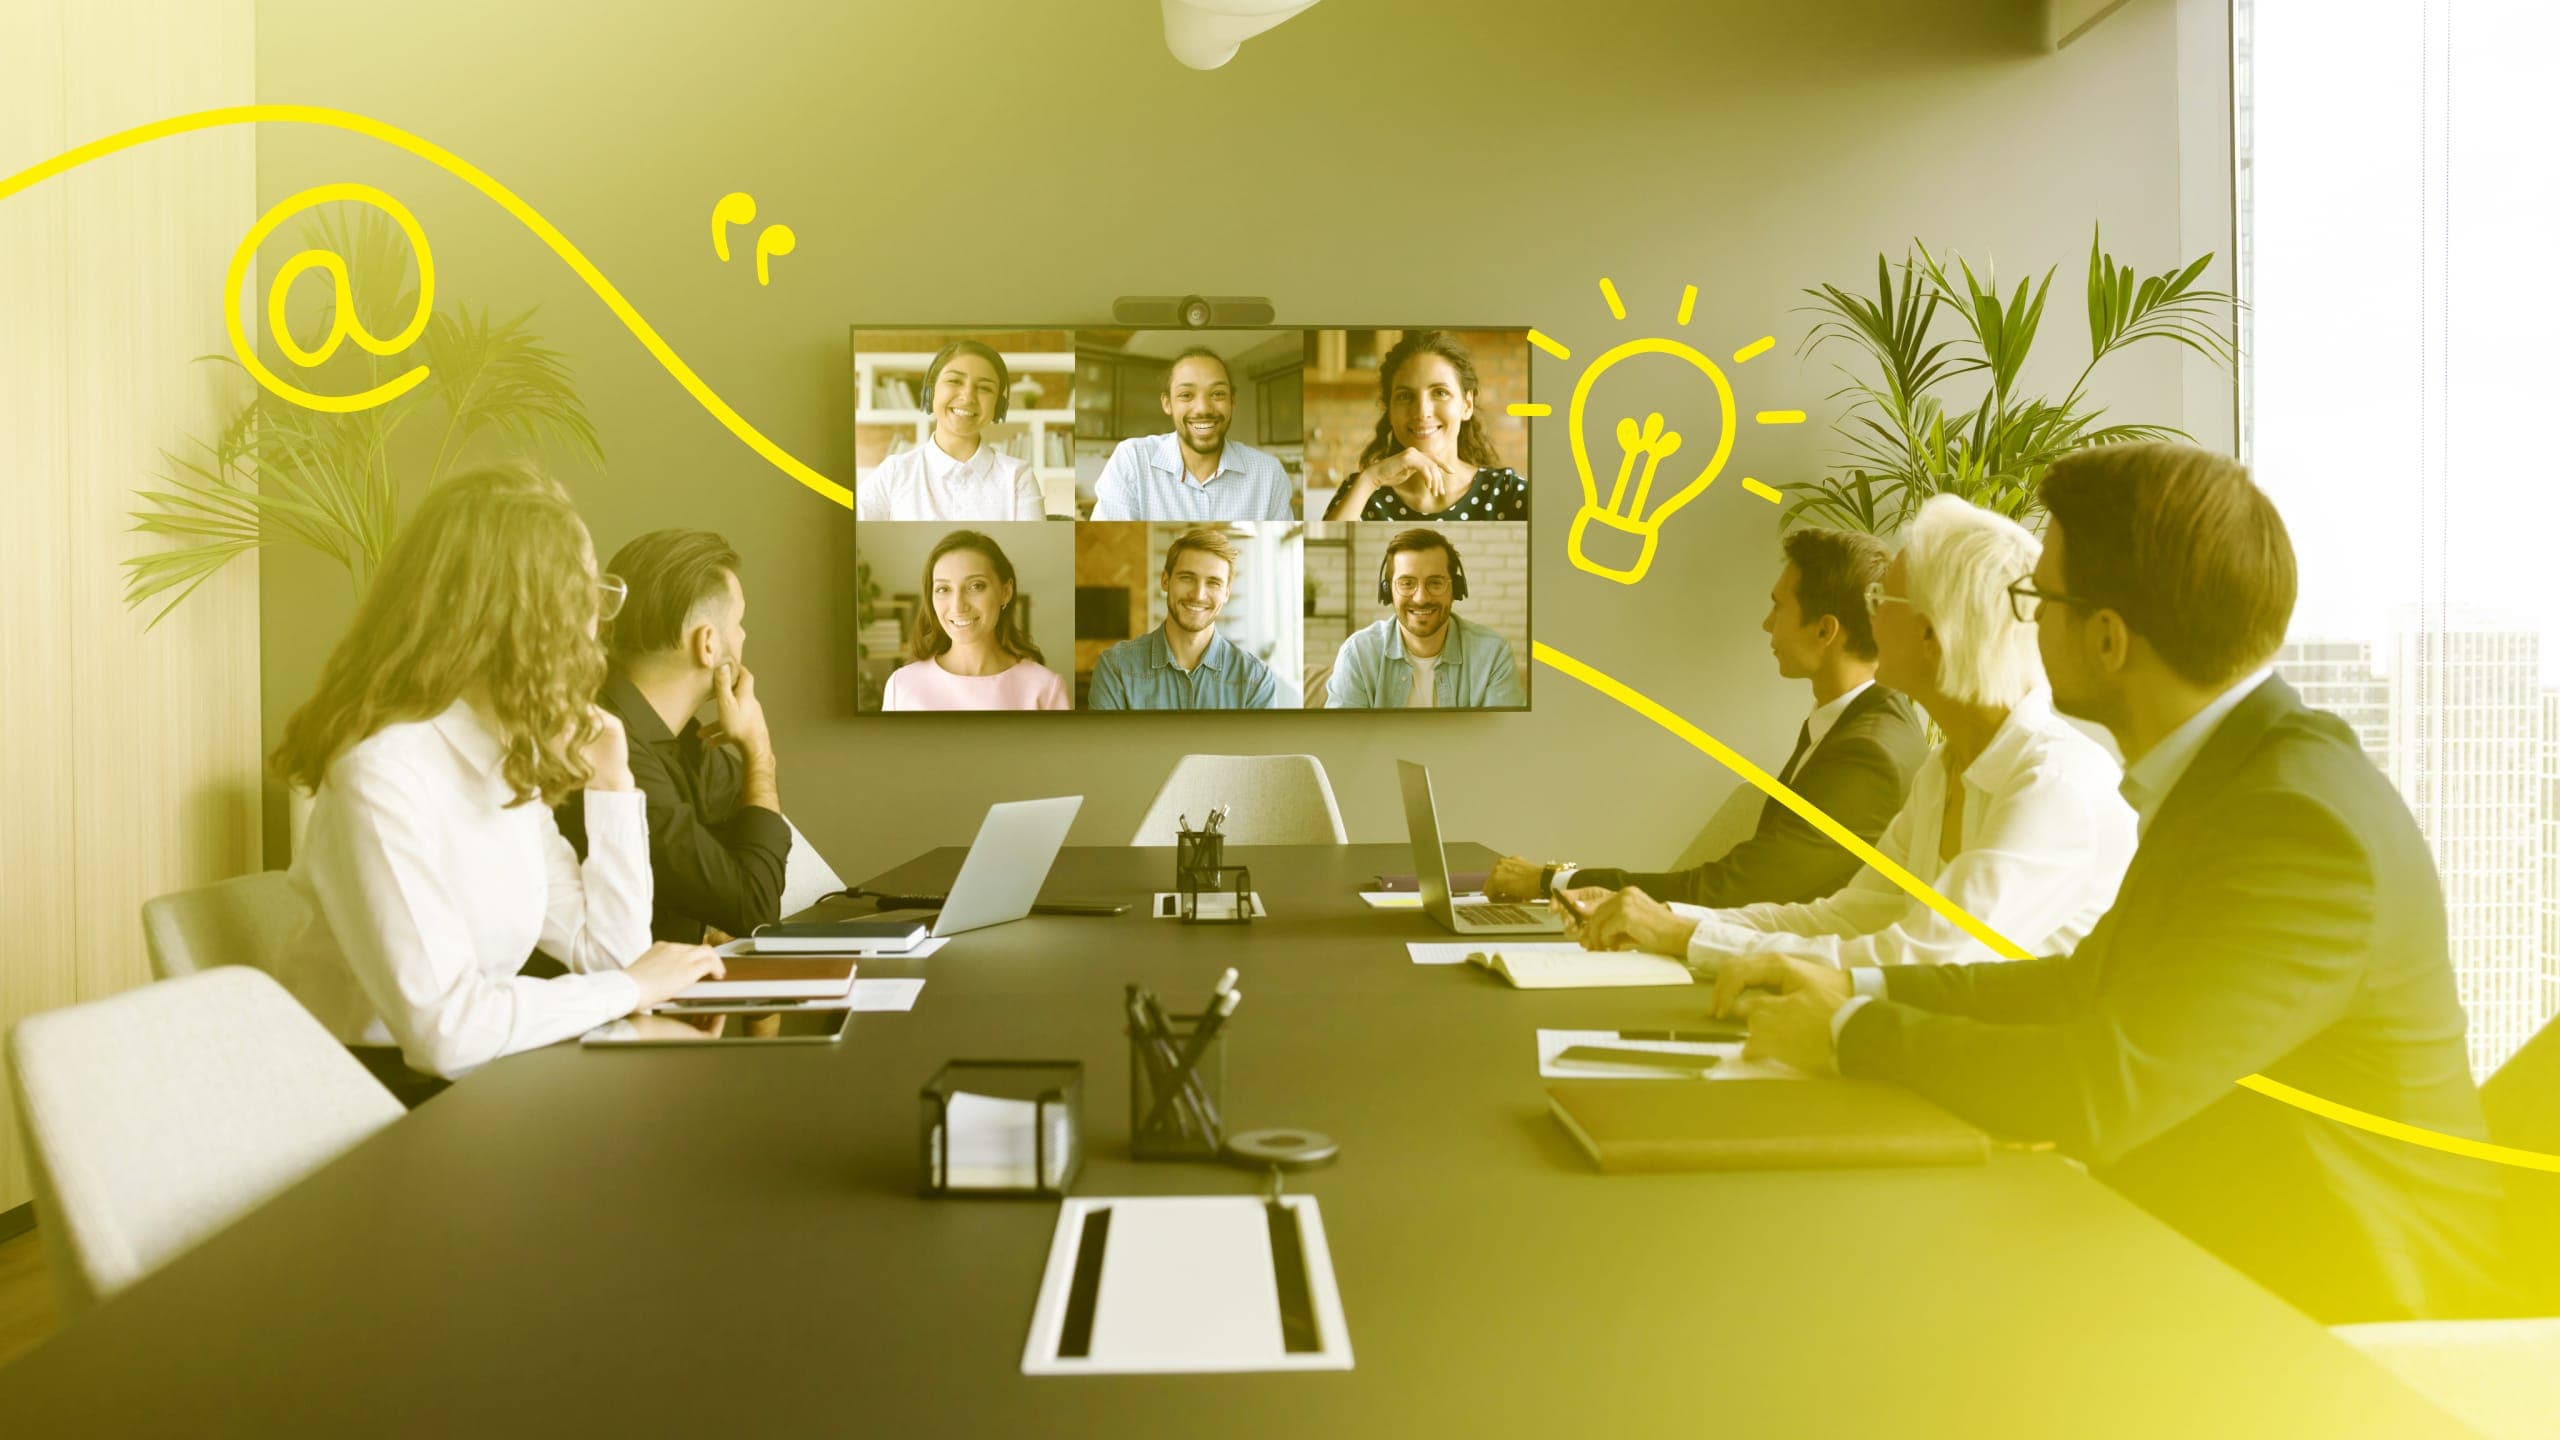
(246, 920)
(1270, 800)
(156, 1117)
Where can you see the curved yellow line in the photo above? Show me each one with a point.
(1646, 706)
(479, 180)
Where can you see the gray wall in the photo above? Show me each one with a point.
(1391, 161)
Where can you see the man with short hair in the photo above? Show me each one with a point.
(717, 839)
(1194, 473)
(1853, 758)
(2281, 918)
(1185, 664)
(1423, 656)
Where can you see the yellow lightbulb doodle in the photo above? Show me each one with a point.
(1624, 513)
(343, 321)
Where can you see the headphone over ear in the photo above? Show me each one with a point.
(1457, 576)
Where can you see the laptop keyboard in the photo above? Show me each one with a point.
(1498, 915)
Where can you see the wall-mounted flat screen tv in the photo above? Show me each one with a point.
(1049, 518)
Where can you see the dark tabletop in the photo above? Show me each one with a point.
(731, 1241)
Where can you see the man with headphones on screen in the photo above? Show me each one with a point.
(1423, 656)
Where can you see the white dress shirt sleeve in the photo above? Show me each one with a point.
(1028, 502)
(1115, 491)
(1815, 929)
(404, 935)
(597, 918)
(2048, 858)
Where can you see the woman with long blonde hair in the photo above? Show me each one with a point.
(454, 713)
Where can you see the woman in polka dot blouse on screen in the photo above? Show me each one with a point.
(1430, 459)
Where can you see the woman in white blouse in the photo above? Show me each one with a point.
(957, 473)
(457, 709)
(2015, 818)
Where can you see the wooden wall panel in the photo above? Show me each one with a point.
(36, 718)
(140, 748)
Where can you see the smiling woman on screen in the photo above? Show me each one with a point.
(1430, 458)
(969, 650)
(957, 473)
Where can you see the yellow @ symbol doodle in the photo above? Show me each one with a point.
(343, 322)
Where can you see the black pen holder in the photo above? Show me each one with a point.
(1176, 1123)
(1229, 891)
(1004, 1128)
(1195, 852)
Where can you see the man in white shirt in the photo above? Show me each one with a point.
(1194, 473)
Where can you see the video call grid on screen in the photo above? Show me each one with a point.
(1071, 489)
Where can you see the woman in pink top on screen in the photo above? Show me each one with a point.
(969, 650)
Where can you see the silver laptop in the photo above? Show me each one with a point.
(1007, 864)
(1422, 825)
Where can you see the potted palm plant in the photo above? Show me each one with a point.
(1903, 440)
(276, 473)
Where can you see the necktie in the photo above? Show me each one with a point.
(1804, 742)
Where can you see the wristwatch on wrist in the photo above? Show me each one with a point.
(1547, 876)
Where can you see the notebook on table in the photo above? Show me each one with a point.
(767, 977)
(1562, 965)
(835, 937)
(1632, 1125)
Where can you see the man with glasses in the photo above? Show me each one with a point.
(717, 840)
(1853, 757)
(1423, 656)
(2015, 817)
(2283, 920)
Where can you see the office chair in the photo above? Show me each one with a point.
(153, 1118)
(1275, 800)
(245, 920)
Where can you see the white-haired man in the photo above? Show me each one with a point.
(2015, 817)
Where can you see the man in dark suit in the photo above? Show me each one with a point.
(1853, 759)
(2282, 917)
(718, 845)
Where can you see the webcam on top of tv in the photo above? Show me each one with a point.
(1190, 312)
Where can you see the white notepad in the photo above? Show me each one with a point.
(1553, 964)
(1187, 1285)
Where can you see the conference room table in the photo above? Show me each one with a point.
(732, 1241)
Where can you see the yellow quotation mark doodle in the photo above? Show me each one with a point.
(739, 208)
(533, 221)
(799, 470)
(1629, 514)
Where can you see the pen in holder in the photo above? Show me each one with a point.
(1196, 851)
(1177, 1079)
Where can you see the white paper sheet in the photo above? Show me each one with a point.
(1186, 1287)
(1213, 905)
(886, 992)
(994, 1145)
(1442, 952)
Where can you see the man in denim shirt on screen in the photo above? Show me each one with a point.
(1185, 664)
(1423, 656)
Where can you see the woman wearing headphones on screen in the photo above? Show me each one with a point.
(969, 650)
(957, 473)
(1430, 459)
